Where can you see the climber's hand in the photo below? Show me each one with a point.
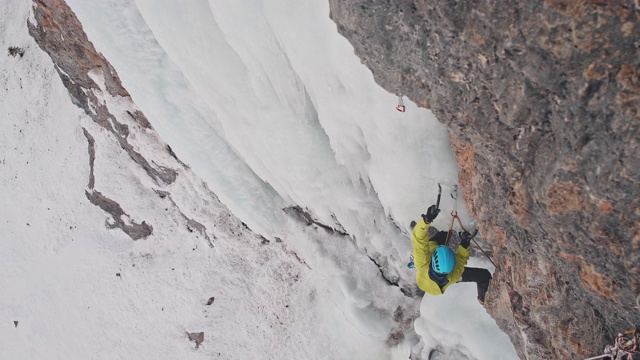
(431, 214)
(465, 239)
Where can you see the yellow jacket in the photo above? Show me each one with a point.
(423, 247)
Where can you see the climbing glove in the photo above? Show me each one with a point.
(465, 239)
(432, 213)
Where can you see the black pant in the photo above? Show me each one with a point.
(440, 238)
(480, 276)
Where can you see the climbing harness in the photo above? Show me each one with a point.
(400, 106)
(625, 346)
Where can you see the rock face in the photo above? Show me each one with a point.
(542, 100)
(59, 33)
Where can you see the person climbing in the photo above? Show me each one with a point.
(437, 265)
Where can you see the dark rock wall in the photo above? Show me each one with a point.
(542, 100)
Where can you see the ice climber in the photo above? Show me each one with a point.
(437, 265)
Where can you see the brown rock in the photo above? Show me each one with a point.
(198, 338)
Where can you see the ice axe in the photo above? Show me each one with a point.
(411, 264)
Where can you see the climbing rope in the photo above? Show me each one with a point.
(454, 217)
(454, 213)
(626, 346)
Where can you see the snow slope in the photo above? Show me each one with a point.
(78, 289)
(267, 84)
(270, 114)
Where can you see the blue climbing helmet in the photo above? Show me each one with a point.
(443, 260)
